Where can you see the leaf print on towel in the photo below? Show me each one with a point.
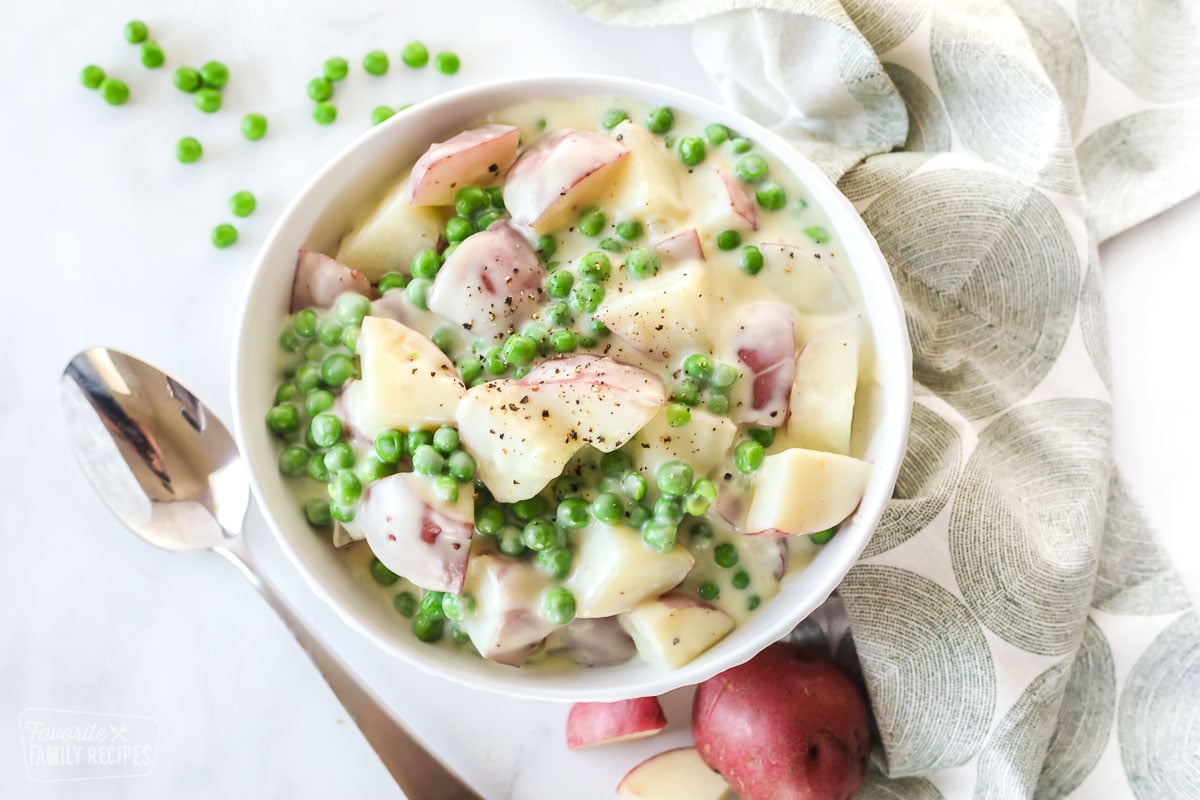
(927, 665)
(1157, 725)
(881, 787)
(1093, 316)
(1084, 718)
(989, 277)
(1148, 45)
(927, 477)
(885, 23)
(1021, 528)
(1135, 574)
(928, 127)
(1139, 166)
(879, 173)
(1000, 104)
(1059, 47)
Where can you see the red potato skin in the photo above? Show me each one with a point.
(784, 726)
(590, 724)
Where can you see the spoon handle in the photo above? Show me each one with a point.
(417, 771)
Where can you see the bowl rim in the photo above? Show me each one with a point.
(887, 315)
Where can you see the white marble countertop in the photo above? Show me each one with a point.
(103, 219)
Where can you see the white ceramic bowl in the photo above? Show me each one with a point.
(316, 219)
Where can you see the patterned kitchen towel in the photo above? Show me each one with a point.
(1019, 629)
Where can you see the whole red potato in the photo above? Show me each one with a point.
(785, 725)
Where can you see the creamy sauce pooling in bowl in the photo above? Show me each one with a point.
(579, 386)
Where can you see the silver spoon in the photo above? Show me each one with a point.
(171, 472)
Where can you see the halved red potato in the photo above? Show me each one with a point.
(416, 534)
(591, 724)
(477, 157)
(320, 280)
(799, 492)
(673, 629)
(490, 284)
(505, 625)
(681, 246)
(674, 775)
(762, 337)
(559, 173)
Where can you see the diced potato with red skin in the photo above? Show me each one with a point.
(614, 570)
(762, 338)
(477, 157)
(674, 775)
(648, 187)
(702, 443)
(662, 317)
(802, 279)
(416, 534)
(671, 630)
(385, 236)
(599, 642)
(505, 625)
(822, 397)
(592, 724)
(681, 246)
(727, 201)
(558, 174)
(490, 284)
(784, 726)
(320, 280)
(800, 492)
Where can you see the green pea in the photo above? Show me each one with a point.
(457, 229)
(496, 196)
(405, 604)
(317, 511)
(372, 469)
(612, 118)
(114, 91)
(558, 605)
(186, 79)
(556, 560)
(748, 456)
(329, 332)
(607, 508)
(345, 488)
(324, 113)
(428, 628)
(764, 436)
(314, 352)
(446, 488)
(564, 341)
(660, 120)
(509, 540)
(587, 342)
(741, 145)
(708, 591)
(537, 332)
(152, 55)
(339, 457)
(207, 100)
(725, 555)
(415, 55)
(289, 342)
(375, 62)
(470, 369)
(566, 486)
(717, 133)
(443, 339)
(381, 114)
(691, 151)
(615, 464)
(92, 76)
(546, 246)
(717, 404)
(592, 221)
(687, 391)
(382, 575)
(573, 513)
(698, 366)
(308, 378)
(214, 74)
(283, 419)
(316, 468)
(642, 262)
(470, 199)
(753, 602)
(724, 376)
(530, 508)
(771, 196)
(489, 519)
(427, 461)
(728, 240)
(336, 369)
(242, 204)
(392, 281)
(447, 63)
(539, 534)
(293, 461)
(674, 478)
(678, 415)
(320, 89)
(740, 579)
(751, 261)
(136, 31)
(254, 126)
(585, 297)
(823, 537)
(494, 362)
(559, 313)
(285, 392)
(751, 168)
(519, 351)
(701, 529)
(630, 230)
(342, 513)
(417, 438)
(611, 245)
(318, 401)
(487, 219)
(668, 510)
(659, 536)
(461, 466)
(425, 264)
(389, 446)
(595, 266)
(634, 485)
(700, 498)
(445, 440)
(417, 293)
(455, 607)
(336, 68)
(188, 150)
(817, 234)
